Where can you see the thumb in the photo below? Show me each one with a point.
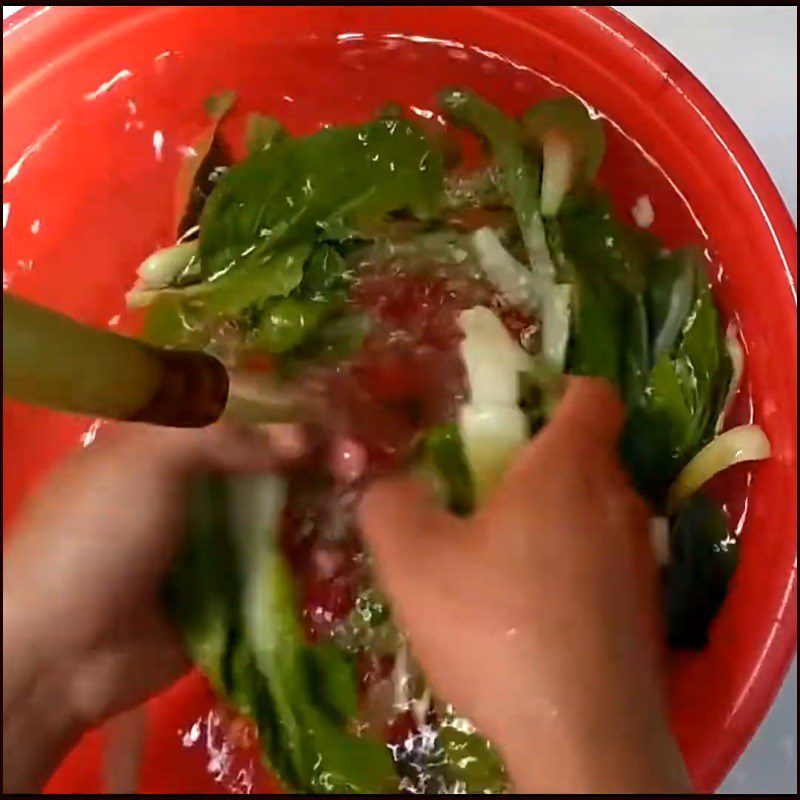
(585, 428)
(591, 408)
(404, 528)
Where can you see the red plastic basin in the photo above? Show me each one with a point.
(98, 101)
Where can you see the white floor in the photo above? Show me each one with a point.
(752, 70)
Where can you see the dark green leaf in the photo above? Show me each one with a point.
(254, 280)
(346, 764)
(280, 195)
(540, 391)
(169, 322)
(203, 587)
(519, 169)
(704, 558)
(658, 434)
(288, 322)
(610, 321)
(234, 598)
(262, 133)
(446, 452)
(636, 356)
(326, 273)
(601, 246)
(625, 291)
(703, 363)
(675, 416)
(332, 678)
(598, 335)
(469, 763)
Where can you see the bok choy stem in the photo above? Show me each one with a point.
(745, 443)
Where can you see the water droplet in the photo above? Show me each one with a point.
(90, 434)
(158, 144)
(106, 86)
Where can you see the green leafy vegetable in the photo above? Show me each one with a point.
(646, 321)
(170, 322)
(170, 316)
(288, 322)
(326, 274)
(520, 174)
(446, 453)
(207, 617)
(207, 155)
(703, 560)
(598, 243)
(598, 335)
(234, 598)
(283, 236)
(671, 285)
(540, 390)
(262, 133)
(572, 146)
(520, 171)
(677, 413)
(469, 763)
(253, 280)
(280, 195)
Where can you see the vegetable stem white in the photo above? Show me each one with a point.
(680, 302)
(558, 162)
(528, 291)
(744, 443)
(736, 355)
(493, 427)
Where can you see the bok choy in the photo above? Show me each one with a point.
(438, 310)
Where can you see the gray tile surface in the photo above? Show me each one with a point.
(747, 57)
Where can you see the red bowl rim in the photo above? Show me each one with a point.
(781, 649)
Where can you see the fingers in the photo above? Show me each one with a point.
(587, 421)
(288, 440)
(175, 452)
(580, 439)
(402, 523)
(127, 667)
(591, 407)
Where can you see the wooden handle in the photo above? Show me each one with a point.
(51, 360)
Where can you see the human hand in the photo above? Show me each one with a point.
(84, 633)
(537, 617)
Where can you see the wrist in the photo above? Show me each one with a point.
(577, 730)
(612, 749)
(39, 726)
